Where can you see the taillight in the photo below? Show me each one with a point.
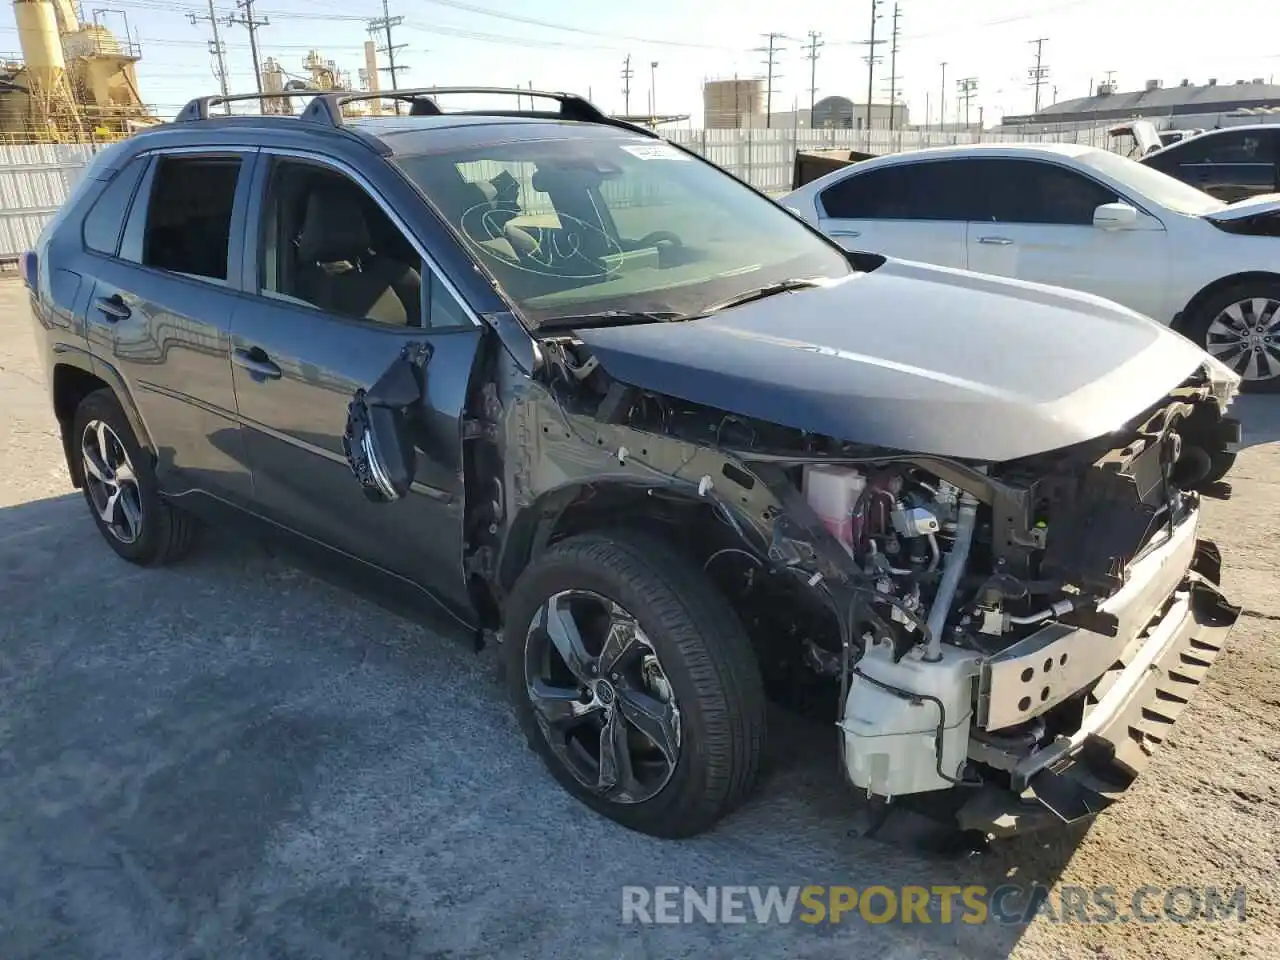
(30, 265)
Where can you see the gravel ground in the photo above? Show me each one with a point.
(230, 758)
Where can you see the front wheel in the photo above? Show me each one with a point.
(1240, 326)
(634, 680)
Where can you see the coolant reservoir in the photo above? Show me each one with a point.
(890, 741)
(831, 493)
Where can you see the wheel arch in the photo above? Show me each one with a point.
(72, 381)
(1189, 312)
(689, 523)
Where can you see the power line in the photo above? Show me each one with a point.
(770, 62)
(253, 23)
(218, 49)
(812, 56)
(384, 24)
(1038, 73)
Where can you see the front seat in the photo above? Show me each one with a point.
(341, 273)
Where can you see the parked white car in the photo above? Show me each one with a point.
(1074, 217)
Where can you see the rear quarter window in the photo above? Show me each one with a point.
(105, 218)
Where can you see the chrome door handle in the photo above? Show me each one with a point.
(257, 363)
(996, 241)
(846, 233)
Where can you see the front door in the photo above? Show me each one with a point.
(1037, 225)
(341, 290)
(162, 305)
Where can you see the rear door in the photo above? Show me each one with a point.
(914, 211)
(164, 296)
(340, 287)
(1037, 225)
(1230, 164)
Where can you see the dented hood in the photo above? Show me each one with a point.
(915, 358)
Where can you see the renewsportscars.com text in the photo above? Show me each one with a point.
(1007, 904)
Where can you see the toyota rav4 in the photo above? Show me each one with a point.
(592, 399)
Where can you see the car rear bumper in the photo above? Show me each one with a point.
(1128, 714)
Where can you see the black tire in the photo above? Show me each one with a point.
(705, 654)
(164, 533)
(1196, 326)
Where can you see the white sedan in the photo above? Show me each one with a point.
(1074, 217)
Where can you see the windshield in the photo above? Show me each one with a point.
(1149, 183)
(593, 224)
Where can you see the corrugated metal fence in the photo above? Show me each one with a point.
(36, 179)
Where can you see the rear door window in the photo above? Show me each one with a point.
(931, 190)
(105, 219)
(185, 226)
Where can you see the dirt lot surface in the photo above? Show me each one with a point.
(230, 758)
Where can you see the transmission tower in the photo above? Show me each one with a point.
(815, 43)
(967, 90)
(247, 19)
(218, 49)
(770, 62)
(627, 74)
(893, 63)
(1038, 73)
(872, 60)
(383, 25)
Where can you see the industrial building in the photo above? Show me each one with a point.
(1183, 106)
(730, 104)
(73, 81)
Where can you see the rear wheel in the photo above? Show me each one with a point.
(120, 486)
(1240, 326)
(636, 683)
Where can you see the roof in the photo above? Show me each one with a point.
(977, 149)
(1163, 101)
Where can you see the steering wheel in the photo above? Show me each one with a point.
(657, 237)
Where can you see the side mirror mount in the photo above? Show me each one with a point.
(1115, 216)
(378, 440)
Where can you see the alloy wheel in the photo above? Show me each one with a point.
(1246, 337)
(111, 481)
(601, 697)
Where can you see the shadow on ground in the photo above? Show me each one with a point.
(231, 758)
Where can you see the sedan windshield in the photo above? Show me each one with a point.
(606, 226)
(1144, 181)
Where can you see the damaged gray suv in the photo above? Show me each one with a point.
(591, 398)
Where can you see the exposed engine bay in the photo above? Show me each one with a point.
(958, 616)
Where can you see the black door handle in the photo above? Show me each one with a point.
(256, 361)
(113, 308)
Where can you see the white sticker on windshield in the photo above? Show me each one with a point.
(654, 151)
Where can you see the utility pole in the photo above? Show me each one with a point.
(653, 90)
(1038, 73)
(968, 89)
(770, 61)
(219, 51)
(893, 64)
(814, 43)
(942, 102)
(252, 23)
(627, 74)
(872, 60)
(384, 24)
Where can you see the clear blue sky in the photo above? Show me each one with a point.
(504, 42)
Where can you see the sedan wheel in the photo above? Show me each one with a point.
(601, 697)
(1245, 335)
(111, 481)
